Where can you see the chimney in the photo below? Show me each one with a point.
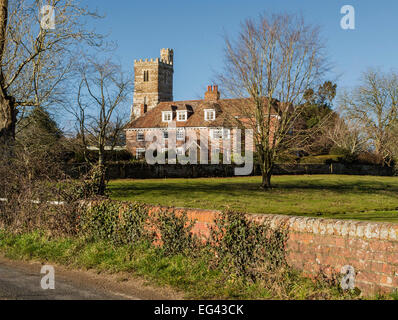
(144, 108)
(212, 93)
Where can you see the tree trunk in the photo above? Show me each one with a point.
(8, 119)
(8, 112)
(101, 157)
(266, 171)
(266, 179)
(101, 164)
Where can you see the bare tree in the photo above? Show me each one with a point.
(272, 63)
(374, 105)
(34, 59)
(347, 134)
(102, 92)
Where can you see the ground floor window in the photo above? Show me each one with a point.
(140, 153)
(180, 150)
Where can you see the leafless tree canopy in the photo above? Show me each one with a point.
(347, 135)
(374, 106)
(103, 90)
(273, 61)
(35, 61)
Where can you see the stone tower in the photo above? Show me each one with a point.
(153, 82)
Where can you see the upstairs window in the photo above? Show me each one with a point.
(167, 116)
(226, 134)
(216, 133)
(220, 134)
(165, 134)
(140, 136)
(210, 114)
(182, 115)
(146, 76)
(180, 134)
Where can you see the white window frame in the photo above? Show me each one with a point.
(140, 133)
(180, 135)
(180, 151)
(210, 114)
(184, 115)
(139, 151)
(226, 135)
(218, 130)
(169, 114)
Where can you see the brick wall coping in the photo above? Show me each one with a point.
(321, 226)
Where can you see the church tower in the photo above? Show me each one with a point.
(153, 82)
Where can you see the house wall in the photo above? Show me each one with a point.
(132, 144)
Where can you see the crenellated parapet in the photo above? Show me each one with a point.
(166, 58)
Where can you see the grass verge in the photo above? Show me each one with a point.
(192, 275)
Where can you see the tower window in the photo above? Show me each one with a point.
(146, 76)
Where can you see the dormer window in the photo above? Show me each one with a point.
(210, 114)
(167, 116)
(182, 115)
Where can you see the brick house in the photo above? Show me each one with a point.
(154, 110)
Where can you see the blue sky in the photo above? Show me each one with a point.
(195, 29)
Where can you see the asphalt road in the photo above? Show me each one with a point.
(22, 281)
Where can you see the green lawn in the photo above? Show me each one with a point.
(328, 196)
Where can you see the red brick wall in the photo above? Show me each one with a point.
(328, 245)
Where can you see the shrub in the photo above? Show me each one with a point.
(120, 223)
(174, 231)
(249, 249)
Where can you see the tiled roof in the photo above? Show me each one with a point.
(226, 110)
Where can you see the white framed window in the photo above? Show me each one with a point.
(180, 151)
(180, 134)
(210, 114)
(216, 133)
(165, 134)
(226, 134)
(140, 136)
(167, 116)
(140, 153)
(182, 115)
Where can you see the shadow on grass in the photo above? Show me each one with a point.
(250, 186)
